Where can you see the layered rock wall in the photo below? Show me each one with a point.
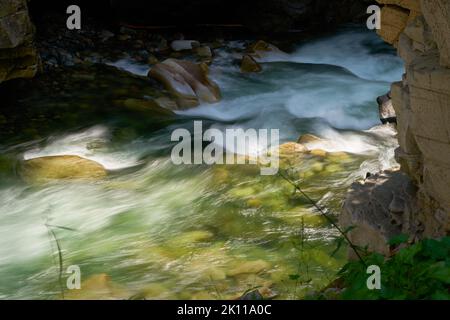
(420, 30)
(422, 104)
(18, 56)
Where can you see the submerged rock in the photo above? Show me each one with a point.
(248, 64)
(252, 295)
(318, 152)
(97, 287)
(50, 168)
(187, 81)
(288, 148)
(190, 237)
(252, 267)
(153, 291)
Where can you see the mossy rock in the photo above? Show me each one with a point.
(203, 296)
(333, 168)
(249, 65)
(193, 237)
(156, 255)
(51, 168)
(249, 267)
(221, 175)
(214, 273)
(317, 167)
(98, 287)
(318, 153)
(154, 291)
(254, 203)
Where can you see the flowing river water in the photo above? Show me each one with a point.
(155, 230)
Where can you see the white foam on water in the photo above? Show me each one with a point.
(352, 50)
(89, 207)
(77, 144)
(304, 87)
(334, 141)
(130, 65)
(365, 142)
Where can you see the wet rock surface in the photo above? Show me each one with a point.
(53, 168)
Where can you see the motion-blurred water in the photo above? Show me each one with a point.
(162, 231)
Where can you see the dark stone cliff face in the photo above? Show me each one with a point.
(18, 56)
(257, 15)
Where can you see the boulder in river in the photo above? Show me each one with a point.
(187, 81)
(261, 49)
(69, 167)
(289, 148)
(248, 64)
(247, 267)
(204, 52)
(386, 109)
(158, 107)
(308, 138)
(98, 287)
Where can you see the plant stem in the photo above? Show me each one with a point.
(325, 215)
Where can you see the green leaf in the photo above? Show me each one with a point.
(397, 240)
(437, 250)
(441, 271)
(440, 295)
(339, 242)
(407, 255)
(294, 276)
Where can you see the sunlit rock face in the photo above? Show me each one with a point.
(188, 82)
(18, 57)
(420, 30)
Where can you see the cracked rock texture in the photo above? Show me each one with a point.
(420, 30)
(18, 56)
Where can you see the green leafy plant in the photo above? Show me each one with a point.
(419, 271)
